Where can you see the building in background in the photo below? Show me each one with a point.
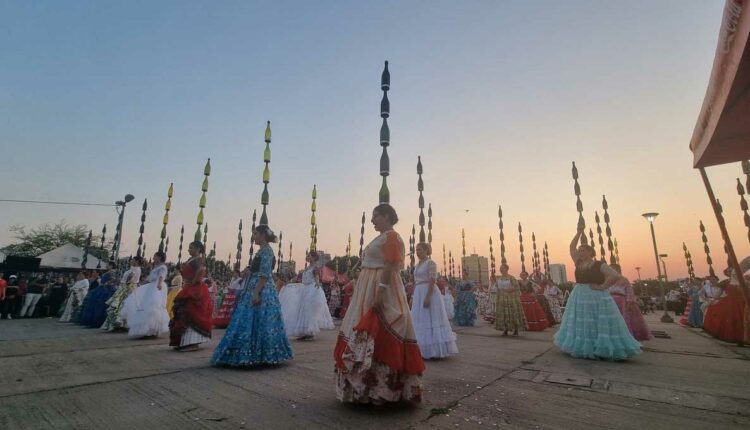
(476, 268)
(558, 273)
(323, 258)
(289, 268)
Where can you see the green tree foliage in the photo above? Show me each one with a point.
(46, 237)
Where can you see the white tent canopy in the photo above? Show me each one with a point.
(68, 256)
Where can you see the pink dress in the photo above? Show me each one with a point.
(622, 293)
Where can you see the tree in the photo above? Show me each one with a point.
(46, 237)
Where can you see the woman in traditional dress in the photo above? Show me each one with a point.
(377, 356)
(533, 312)
(96, 308)
(334, 297)
(193, 307)
(724, 317)
(508, 310)
(466, 304)
(623, 295)
(304, 306)
(76, 294)
(77, 316)
(435, 336)
(174, 288)
(145, 310)
(592, 326)
(256, 333)
(446, 291)
(228, 301)
(553, 295)
(487, 301)
(695, 316)
(538, 290)
(128, 282)
(347, 292)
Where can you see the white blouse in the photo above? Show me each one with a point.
(504, 284)
(425, 272)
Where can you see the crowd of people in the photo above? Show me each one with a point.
(718, 306)
(389, 323)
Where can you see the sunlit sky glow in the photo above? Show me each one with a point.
(99, 99)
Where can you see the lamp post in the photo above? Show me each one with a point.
(664, 266)
(650, 217)
(638, 269)
(120, 207)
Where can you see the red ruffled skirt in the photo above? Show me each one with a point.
(536, 320)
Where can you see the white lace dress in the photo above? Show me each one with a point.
(450, 308)
(431, 325)
(145, 309)
(304, 307)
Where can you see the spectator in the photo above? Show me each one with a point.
(3, 284)
(56, 295)
(35, 291)
(9, 305)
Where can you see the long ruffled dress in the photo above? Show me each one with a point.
(95, 312)
(509, 315)
(76, 294)
(695, 316)
(77, 316)
(174, 290)
(592, 326)
(377, 356)
(128, 282)
(542, 300)
(145, 310)
(304, 307)
(431, 325)
(449, 304)
(533, 312)
(488, 303)
(192, 309)
(553, 295)
(623, 295)
(227, 304)
(256, 333)
(466, 305)
(724, 318)
(346, 297)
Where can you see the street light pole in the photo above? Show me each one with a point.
(118, 231)
(650, 216)
(638, 269)
(664, 266)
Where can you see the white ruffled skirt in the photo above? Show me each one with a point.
(145, 311)
(433, 330)
(304, 309)
(450, 309)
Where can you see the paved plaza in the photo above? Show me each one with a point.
(62, 376)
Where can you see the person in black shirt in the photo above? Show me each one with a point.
(56, 294)
(9, 305)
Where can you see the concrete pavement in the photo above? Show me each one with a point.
(62, 376)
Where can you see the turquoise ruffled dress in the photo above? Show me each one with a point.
(592, 326)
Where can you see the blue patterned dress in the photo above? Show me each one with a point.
(466, 305)
(256, 334)
(95, 311)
